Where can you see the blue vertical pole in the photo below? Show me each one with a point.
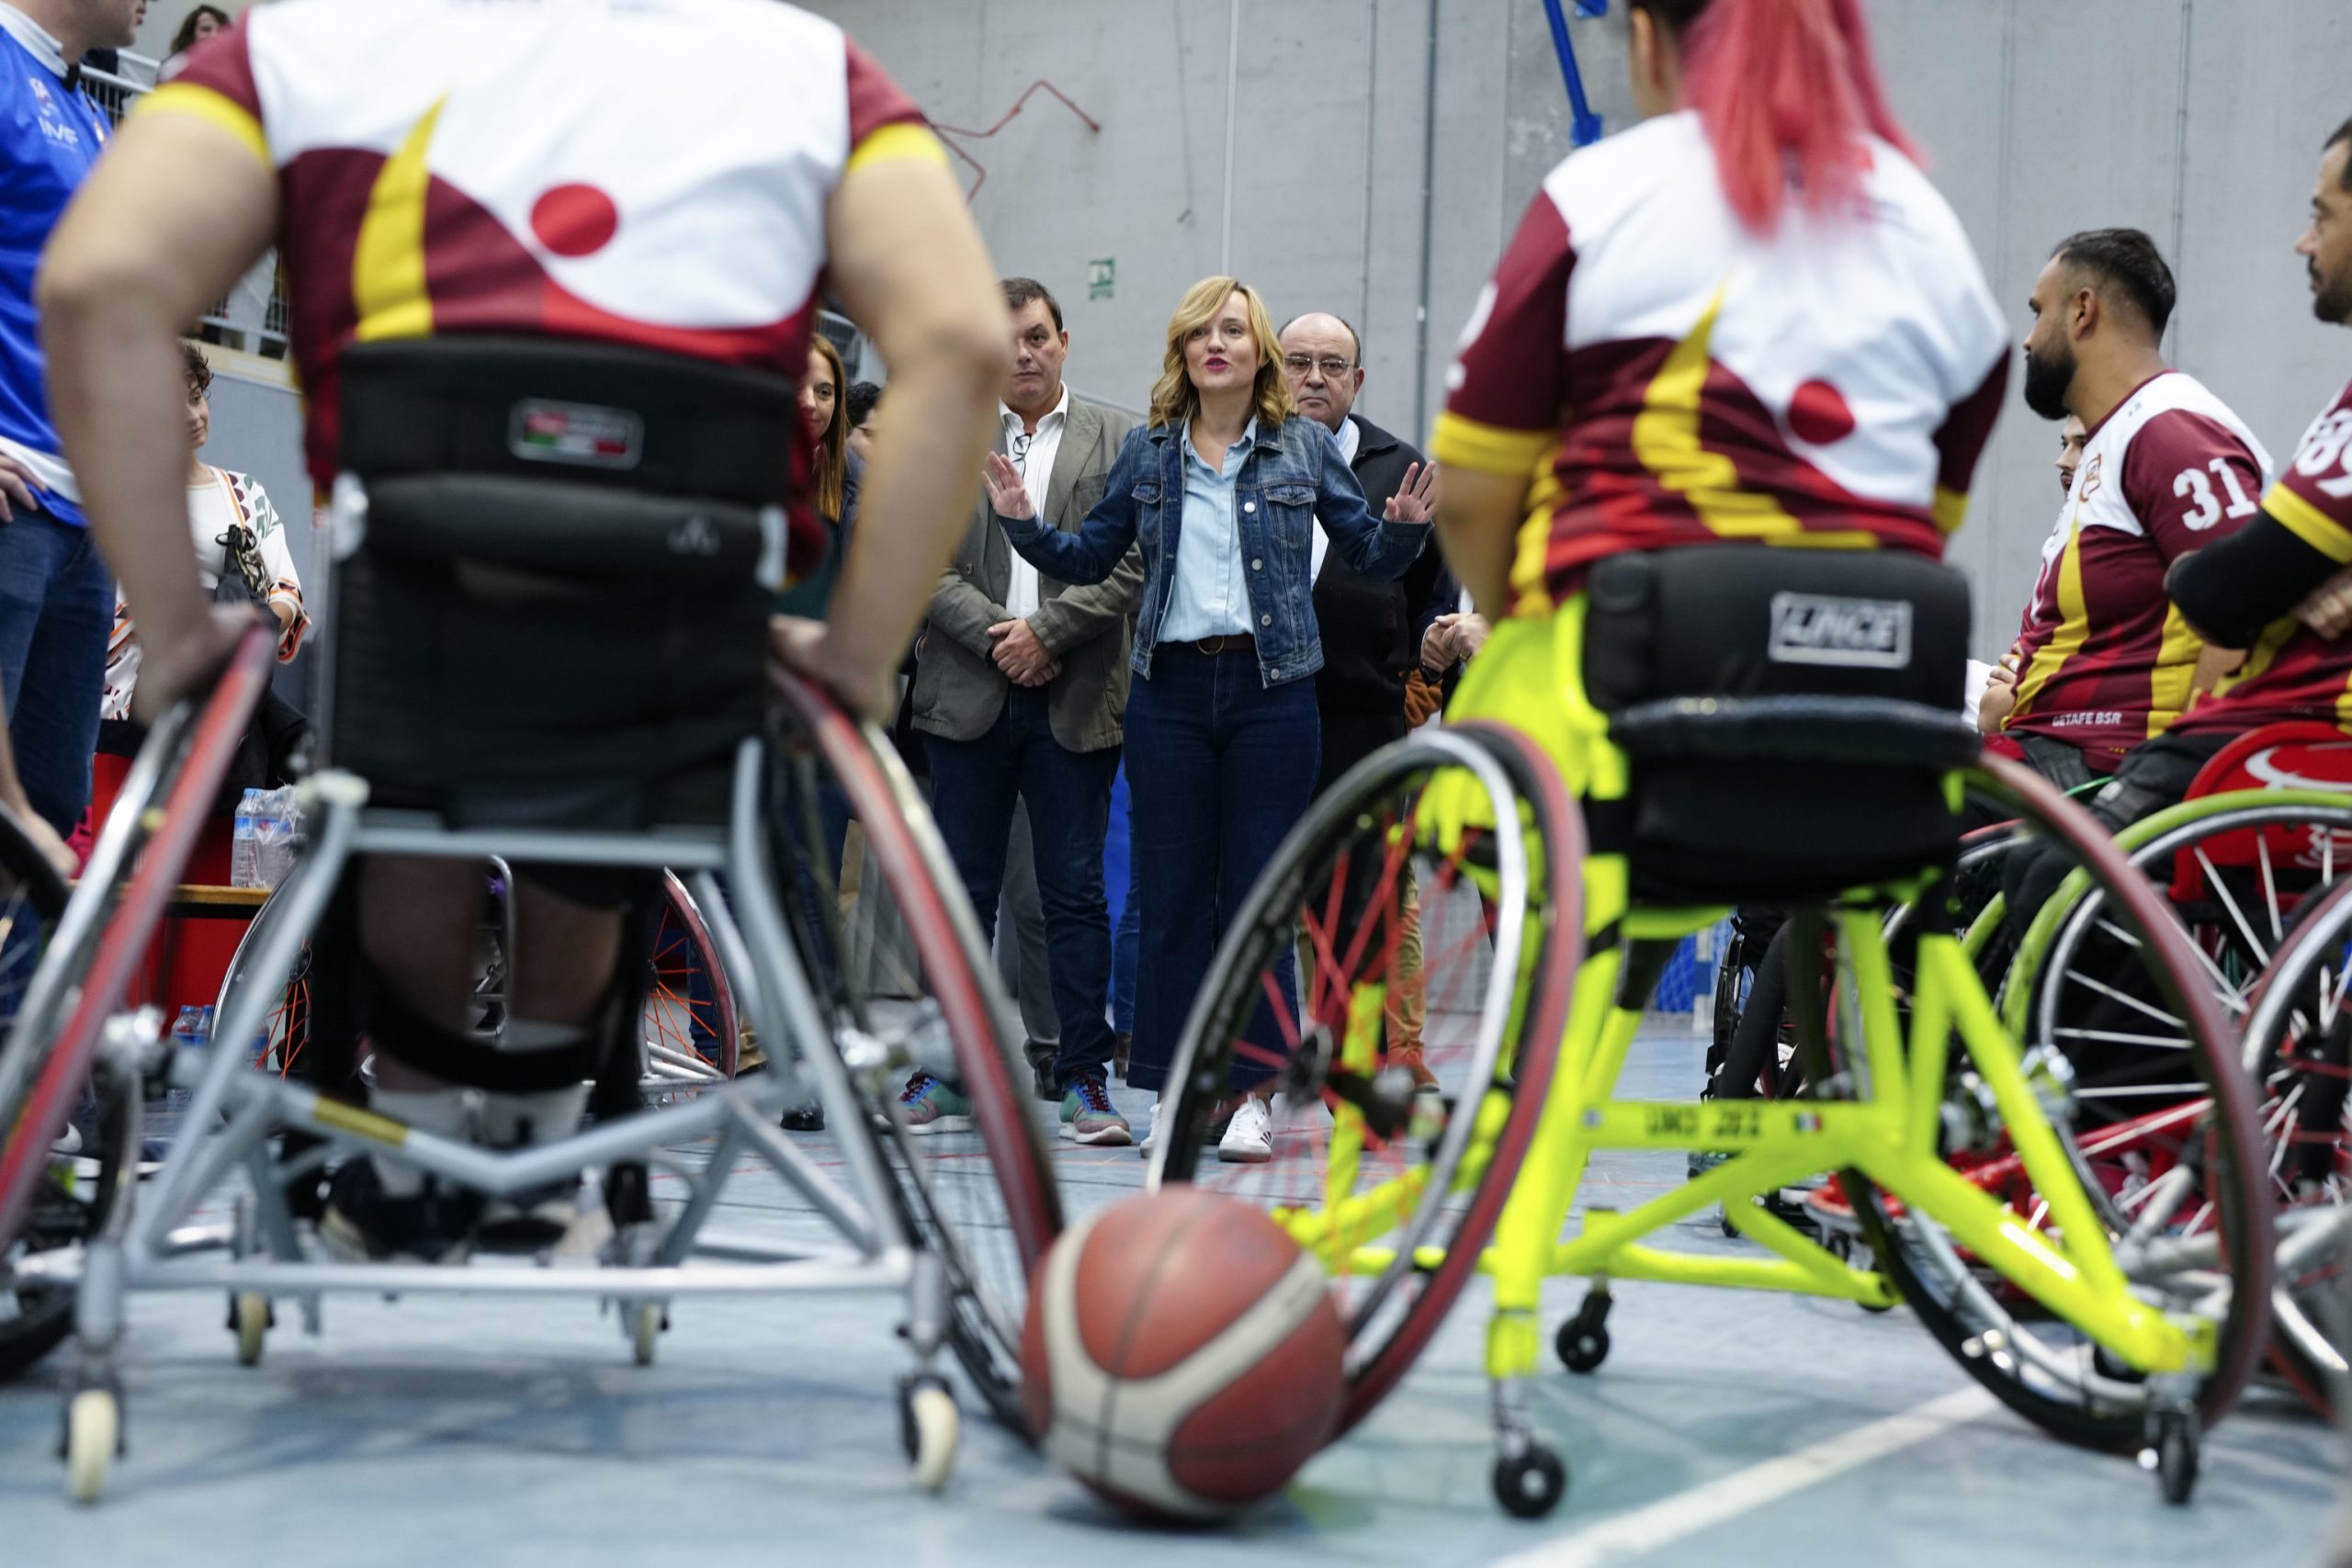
(1586, 129)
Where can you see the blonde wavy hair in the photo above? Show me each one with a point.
(1174, 399)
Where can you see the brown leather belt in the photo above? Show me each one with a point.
(1231, 642)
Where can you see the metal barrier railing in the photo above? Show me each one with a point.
(252, 318)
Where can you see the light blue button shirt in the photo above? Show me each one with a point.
(1208, 597)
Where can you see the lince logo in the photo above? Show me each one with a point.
(1822, 628)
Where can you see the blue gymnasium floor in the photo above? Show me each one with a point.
(1727, 1431)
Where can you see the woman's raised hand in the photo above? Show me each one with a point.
(1007, 493)
(1411, 504)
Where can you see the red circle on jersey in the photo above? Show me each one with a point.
(1818, 414)
(575, 219)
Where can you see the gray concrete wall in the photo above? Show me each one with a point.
(2196, 119)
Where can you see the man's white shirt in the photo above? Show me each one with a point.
(1020, 594)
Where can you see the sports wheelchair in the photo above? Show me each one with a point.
(2248, 861)
(1739, 725)
(552, 565)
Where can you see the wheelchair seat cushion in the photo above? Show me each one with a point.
(1789, 716)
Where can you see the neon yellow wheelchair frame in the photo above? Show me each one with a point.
(1889, 1134)
(1531, 676)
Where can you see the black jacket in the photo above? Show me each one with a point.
(1372, 630)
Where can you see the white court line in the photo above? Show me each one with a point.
(1671, 1518)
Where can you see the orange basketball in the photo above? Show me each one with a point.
(1181, 1354)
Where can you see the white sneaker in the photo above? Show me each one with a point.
(1251, 1138)
(68, 1145)
(1151, 1133)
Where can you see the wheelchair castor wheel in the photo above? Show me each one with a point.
(251, 1317)
(928, 1422)
(2176, 1445)
(1583, 1340)
(92, 1442)
(1530, 1484)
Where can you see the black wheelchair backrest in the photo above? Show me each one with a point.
(1790, 715)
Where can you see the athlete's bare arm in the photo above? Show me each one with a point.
(172, 217)
(1479, 516)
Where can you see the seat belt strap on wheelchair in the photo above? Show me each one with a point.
(1645, 963)
(1807, 1002)
(619, 1026)
(403, 1033)
(1610, 825)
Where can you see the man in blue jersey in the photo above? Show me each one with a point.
(56, 599)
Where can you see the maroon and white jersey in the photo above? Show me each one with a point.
(2108, 662)
(1670, 378)
(2292, 673)
(550, 167)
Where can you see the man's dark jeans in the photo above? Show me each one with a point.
(973, 786)
(56, 610)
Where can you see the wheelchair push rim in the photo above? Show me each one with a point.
(991, 1254)
(41, 1074)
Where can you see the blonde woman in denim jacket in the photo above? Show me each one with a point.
(1224, 485)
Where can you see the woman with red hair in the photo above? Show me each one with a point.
(1710, 424)
(1747, 321)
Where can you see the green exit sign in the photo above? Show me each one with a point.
(1102, 278)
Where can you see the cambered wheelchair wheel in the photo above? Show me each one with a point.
(104, 932)
(76, 1189)
(690, 1035)
(2241, 873)
(2139, 1077)
(1403, 1097)
(2299, 1051)
(897, 956)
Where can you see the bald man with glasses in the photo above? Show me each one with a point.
(1372, 630)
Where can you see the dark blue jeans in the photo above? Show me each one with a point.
(973, 786)
(1220, 768)
(56, 610)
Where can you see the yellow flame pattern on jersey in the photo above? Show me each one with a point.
(387, 268)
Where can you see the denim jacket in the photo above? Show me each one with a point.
(1291, 478)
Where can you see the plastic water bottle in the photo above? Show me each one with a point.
(190, 1030)
(277, 822)
(245, 848)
